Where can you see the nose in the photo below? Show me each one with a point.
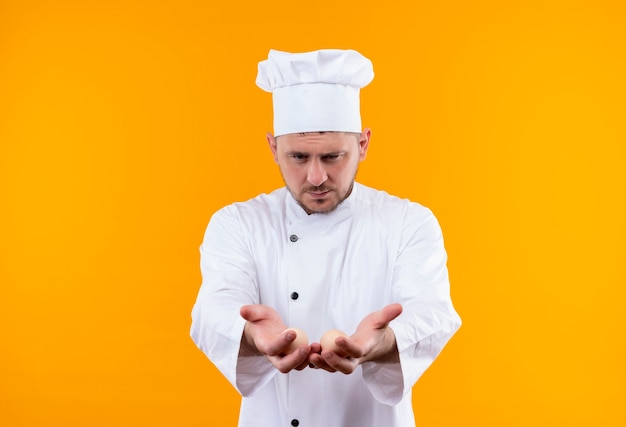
(317, 173)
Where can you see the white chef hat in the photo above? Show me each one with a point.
(315, 91)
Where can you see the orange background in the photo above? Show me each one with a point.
(125, 124)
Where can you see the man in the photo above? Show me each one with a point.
(322, 253)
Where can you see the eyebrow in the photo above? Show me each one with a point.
(304, 153)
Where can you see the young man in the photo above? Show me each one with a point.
(322, 253)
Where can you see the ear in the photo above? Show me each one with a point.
(364, 142)
(271, 141)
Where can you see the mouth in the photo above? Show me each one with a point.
(318, 194)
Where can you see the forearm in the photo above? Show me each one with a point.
(247, 347)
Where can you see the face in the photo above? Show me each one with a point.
(319, 167)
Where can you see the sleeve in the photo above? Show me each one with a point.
(228, 282)
(420, 283)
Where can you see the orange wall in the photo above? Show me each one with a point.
(125, 124)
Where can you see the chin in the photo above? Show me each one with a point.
(314, 208)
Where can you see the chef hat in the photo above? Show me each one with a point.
(315, 91)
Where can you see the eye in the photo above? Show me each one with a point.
(332, 157)
(299, 157)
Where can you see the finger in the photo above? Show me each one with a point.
(291, 361)
(391, 311)
(253, 312)
(318, 362)
(278, 346)
(316, 347)
(386, 315)
(347, 347)
(303, 365)
(342, 364)
(304, 350)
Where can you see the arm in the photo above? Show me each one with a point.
(228, 283)
(245, 340)
(420, 283)
(397, 344)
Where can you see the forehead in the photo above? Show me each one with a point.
(316, 141)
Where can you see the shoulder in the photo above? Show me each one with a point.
(380, 203)
(261, 208)
(403, 221)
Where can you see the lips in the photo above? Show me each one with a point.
(318, 194)
(318, 191)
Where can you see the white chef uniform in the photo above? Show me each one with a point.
(319, 272)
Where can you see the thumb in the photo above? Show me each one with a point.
(388, 313)
(253, 312)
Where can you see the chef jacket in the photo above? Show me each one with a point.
(319, 272)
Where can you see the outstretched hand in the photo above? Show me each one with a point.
(264, 334)
(373, 340)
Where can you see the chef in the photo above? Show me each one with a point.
(324, 252)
